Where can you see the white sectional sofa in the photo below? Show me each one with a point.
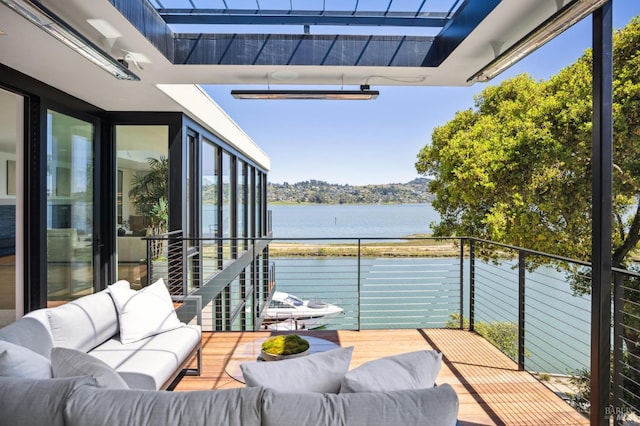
(90, 324)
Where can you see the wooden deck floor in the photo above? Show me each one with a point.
(490, 389)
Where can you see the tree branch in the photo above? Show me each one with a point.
(626, 178)
(628, 244)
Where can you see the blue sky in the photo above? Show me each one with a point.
(373, 142)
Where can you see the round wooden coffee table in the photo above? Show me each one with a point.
(251, 352)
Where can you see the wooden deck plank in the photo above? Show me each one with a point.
(490, 388)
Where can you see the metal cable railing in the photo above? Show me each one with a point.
(625, 394)
(544, 318)
(533, 306)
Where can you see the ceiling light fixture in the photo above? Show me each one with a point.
(352, 95)
(564, 18)
(43, 18)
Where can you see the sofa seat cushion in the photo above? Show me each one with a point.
(149, 363)
(28, 402)
(84, 323)
(230, 407)
(425, 407)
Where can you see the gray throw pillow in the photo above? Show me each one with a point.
(320, 372)
(412, 370)
(28, 402)
(69, 363)
(18, 361)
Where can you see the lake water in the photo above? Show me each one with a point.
(348, 220)
(424, 292)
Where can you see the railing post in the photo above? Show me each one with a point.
(257, 303)
(521, 309)
(185, 264)
(220, 253)
(243, 297)
(618, 341)
(226, 297)
(601, 214)
(359, 281)
(461, 283)
(149, 263)
(472, 282)
(218, 312)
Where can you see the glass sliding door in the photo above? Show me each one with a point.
(227, 210)
(193, 226)
(141, 197)
(258, 203)
(11, 197)
(70, 204)
(241, 205)
(251, 223)
(210, 214)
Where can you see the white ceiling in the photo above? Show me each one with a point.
(33, 52)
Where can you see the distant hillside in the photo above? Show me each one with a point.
(319, 192)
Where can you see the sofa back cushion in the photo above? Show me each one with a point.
(84, 323)
(30, 331)
(425, 407)
(229, 407)
(320, 372)
(411, 370)
(27, 402)
(145, 312)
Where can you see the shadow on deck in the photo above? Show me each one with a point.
(491, 389)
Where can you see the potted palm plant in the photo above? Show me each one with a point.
(149, 194)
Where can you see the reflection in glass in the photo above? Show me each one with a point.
(227, 224)
(141, 163)
(258, 201)
(250, 201)
(11, 121)
(210, 194)
(69, 207)
(242, 204)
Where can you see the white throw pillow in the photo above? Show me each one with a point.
(120, 284)
(320, 372)
(18, 361)
(84, 323)
(70, 363)
(145, 312)
(412, 370)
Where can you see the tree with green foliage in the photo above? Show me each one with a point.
(517, 169)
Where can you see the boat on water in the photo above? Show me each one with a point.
(289, 312)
